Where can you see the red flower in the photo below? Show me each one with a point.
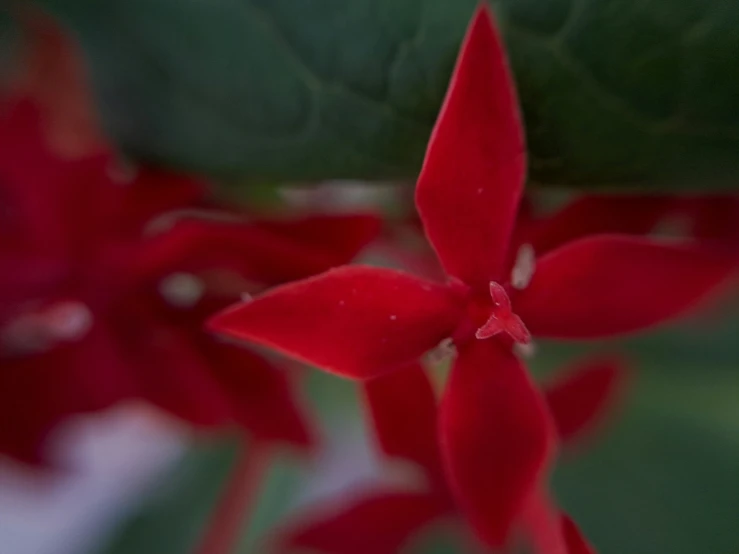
(361, 321)
(404, 412)
(95, 311)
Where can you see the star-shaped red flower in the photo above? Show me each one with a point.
(404, 413)
(361, 322)
(97, 310)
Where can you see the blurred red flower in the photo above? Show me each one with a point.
(52, 73)
(103, 293)
(361, 322)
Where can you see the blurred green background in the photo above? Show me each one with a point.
(617, 94)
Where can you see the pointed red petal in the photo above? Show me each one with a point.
(471, 182)
(496, 437)
(597, 214)
(576, 542)
(611, 284)
(403, 407)
(380, 524)
(355, 321)
(582, 396)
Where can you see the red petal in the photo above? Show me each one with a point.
(268, 253)
(54, 76)
(472, 179)
(495, 437)
(355, 321)
(29, 175)
(261, 396)
(610, 285)
(597, 214)
(380, 524)
(541, 526)
(576, 543)
(102, 375)
(154, 193)
(37, 393)
(403, 407)
(714, 218)
(173, 373)
(325, 241)
(581, 397)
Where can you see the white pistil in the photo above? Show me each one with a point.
(523, 269)
(182, 290)
(524, 351)
(444, 351)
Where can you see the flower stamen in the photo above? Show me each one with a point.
(502, 319)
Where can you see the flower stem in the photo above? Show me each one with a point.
(238, 500)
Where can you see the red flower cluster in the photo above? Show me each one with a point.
(103, 298)
(362, 322)
(107, 276)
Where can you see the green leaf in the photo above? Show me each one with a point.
(665, 479)
(175, 518)
(8, 43)
(617, 93)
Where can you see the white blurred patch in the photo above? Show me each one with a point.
(110, 460)
(339, 196)
(69, 321)
(351, 462)
(182, 290)
(525, 351)
(524, 267)
(34, 331)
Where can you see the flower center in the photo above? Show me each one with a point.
(502, 319)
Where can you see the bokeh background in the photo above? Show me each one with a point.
(272, 100)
